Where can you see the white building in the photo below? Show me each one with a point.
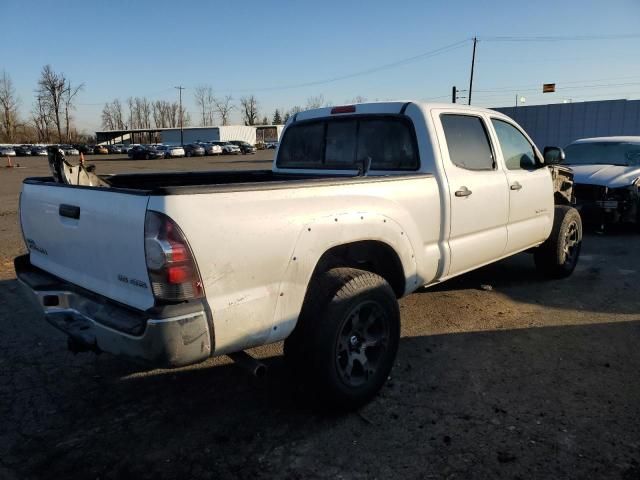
(250, 134)
(209, 134)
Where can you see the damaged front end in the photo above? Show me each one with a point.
(562, 185)
(602, 205)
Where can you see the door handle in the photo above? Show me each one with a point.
(515, 186)
(463, 192)
(69, 211)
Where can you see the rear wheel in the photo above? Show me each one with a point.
(558, 256)
(147, 157)
(347, 337)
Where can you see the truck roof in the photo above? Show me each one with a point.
(393, 107)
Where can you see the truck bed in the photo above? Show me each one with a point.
(180, 183)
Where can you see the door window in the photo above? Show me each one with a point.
(517, 151)
(468, 142)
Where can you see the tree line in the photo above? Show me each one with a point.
(51, 117)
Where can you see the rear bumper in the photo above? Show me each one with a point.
(171, 336)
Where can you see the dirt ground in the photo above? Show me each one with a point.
(526, 379)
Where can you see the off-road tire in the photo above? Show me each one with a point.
(346, 339)
(558, 256)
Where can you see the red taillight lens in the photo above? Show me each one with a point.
(170, 263)
(177, 275)
(344, 109)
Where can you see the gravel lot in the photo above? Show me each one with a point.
(526, 379)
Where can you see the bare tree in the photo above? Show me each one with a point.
(107, 117)
(51, 87)
(118, 115)
(9, 105)
(357, 99)
(69, 94)
(205, 101)
(132, 119)
(249, 109)
(224, 107)
(40, 119)
(317, 101)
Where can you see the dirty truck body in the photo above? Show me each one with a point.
(173, 268)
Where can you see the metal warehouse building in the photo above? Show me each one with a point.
(206, 134)
(561, 123)
(250, 134)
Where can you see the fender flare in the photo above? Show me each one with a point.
(317, 237)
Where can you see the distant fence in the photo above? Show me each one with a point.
(561, 123)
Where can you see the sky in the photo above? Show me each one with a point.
(287, 51)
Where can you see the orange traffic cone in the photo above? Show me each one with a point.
(9, 164)
(81, 158)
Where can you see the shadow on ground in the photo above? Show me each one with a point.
(557, 402)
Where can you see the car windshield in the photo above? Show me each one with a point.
(603, 153)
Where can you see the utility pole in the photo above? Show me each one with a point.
(473, 63)
(180, 88)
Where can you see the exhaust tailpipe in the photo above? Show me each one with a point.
(255, 367)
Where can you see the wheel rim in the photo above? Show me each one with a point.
(361, 343)
(571, 244)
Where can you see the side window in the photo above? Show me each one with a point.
(468, 143)
(340, 149)
(517, 151)
(389, 143)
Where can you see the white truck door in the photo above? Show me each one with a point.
(531, 204)
(478, 192)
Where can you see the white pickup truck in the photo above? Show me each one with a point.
(364, 204)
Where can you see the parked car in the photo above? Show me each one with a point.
(69, 150)
(271, 145)
(228, 148)
(245, 147)
(211, 148)
(39, 151)
(144, 152)
(100, 149)
(6, 151)
(23, 150)
(171, 151)
(84, 149)
(607, 178)
(114, 148)
(316, 252)
(194, 150)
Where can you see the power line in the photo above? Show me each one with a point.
(387, 66)
(569, 82)
(147, 96)
(501, 92)
(557, 38)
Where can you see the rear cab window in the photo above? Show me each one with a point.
(346, 143)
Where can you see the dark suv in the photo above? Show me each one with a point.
(144, 152)
(244, 146)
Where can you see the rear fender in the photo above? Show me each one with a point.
(321, 235)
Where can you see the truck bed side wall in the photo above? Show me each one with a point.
(245, 243)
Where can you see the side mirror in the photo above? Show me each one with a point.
(553, 155)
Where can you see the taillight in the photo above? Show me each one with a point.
(172, 269)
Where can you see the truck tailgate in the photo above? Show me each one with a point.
(90, 237)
